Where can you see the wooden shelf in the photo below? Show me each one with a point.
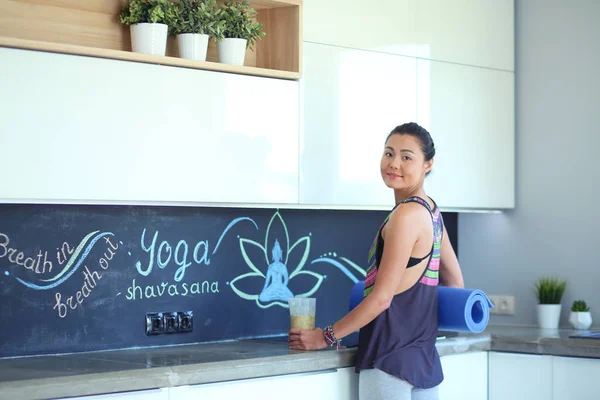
(262, 4)
(91, 28)
(144, 58)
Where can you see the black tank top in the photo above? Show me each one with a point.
(401, 340)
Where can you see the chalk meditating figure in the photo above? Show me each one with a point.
(277, 279)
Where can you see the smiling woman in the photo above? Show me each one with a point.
(410, 256)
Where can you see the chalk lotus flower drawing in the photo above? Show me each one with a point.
(274, 270)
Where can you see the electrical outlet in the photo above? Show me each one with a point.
(154, 324)
(186, 321)
(504, 305)
(171, 322)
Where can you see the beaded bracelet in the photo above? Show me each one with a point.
(330, 338)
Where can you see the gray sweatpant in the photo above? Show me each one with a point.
(374, 384)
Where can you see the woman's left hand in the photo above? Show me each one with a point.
(306, 339)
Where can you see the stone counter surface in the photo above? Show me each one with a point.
(138, 369)
(543, 341)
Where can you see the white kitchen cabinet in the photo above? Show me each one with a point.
(347, 384)
(465, 376)
(76, 128)
(576, 378)
(351, 99)
(323, 385)
(156, 394)
(470, 115)
(380, 25)
(520, 376)
(472, 32)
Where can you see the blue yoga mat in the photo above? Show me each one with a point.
(459, 310)
(463, 310)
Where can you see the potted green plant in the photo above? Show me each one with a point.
(580, 317)
(196, 21)
(549, 292)
(149, 22)
(239, 33)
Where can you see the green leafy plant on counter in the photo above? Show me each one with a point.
(198, 16)
(239, 22)
(579, 306)
(550, 290)
(148, 11)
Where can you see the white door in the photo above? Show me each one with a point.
(469, 113)
(380, 25)
(576, 378)
(465, 376)
(76, 128)
(156, 394)
(471, 32)
(519, 376)
(323, 385)
(351, 100)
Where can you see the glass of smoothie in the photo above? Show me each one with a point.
(302, 312)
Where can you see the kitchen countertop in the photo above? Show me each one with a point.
(555, 342)
(137, 369)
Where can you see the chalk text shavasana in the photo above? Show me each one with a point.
(35, 263)
(136, 292)
(90, 280)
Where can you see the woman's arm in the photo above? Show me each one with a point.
(450, 273)
(400, 237)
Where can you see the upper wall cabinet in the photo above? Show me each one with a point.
(379, 25)
(351, 99)
(469, 112)
(86, 129)
(473, 32)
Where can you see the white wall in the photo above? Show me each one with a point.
(554, 228)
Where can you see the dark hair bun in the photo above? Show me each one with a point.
(417, 131)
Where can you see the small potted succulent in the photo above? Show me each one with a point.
(196, 21)
(149, 22)
(549, 292)
(239, 33)
(580, 317)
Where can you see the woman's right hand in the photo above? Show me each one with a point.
(306, 339)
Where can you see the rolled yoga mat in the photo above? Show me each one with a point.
(459, 310)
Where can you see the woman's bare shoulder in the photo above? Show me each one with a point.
(407, 211)
(407, 216)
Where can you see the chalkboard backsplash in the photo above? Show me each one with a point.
(83, 278)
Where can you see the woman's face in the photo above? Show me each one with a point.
(403, 164)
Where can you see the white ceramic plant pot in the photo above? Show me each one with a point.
(232, 51)
(149, 38)
(193, 46)
(548, 315)
(580, 319)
